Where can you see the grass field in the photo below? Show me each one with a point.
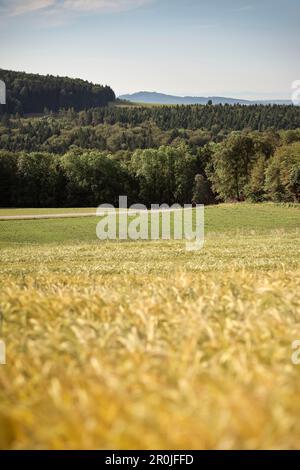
(243, 219)
(144, 345)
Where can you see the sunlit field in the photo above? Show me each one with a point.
(143, 345)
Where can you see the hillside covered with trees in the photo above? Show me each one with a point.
(245, 165)
(215, 118)
(81, 152)
(32, 93)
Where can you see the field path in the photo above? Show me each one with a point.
(67, 215)
(48, 216)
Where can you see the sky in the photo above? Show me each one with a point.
(237, 48)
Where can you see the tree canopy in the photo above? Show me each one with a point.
(32, 93)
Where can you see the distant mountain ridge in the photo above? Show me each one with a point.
(161, 98)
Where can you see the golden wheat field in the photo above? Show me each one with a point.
(143, 345)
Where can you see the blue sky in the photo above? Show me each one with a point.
(248, 48)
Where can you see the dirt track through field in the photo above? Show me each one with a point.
(86, 214)
(47, 216)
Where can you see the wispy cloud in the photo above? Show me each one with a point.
(23, 7)
(103, 5)
(19, 7)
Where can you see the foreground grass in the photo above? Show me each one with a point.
(144, 345)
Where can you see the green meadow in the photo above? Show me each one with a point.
(223, 218)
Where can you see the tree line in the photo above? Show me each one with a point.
(73, 105)
(57, 134)
(33, 93)
(210, 117)
(244, 166)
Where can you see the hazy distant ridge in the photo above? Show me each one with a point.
(161, 98)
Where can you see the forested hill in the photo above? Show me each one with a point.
(213, 118)
(32, 93)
